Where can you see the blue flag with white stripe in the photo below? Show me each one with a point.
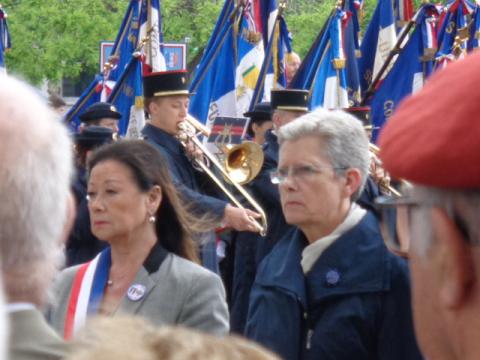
(329, 88)
(127, 96)
(379, 40)
(250, 56)
(305, 75)
(272, 74)
(102, 85)
(214, 82)
(151, 27)
(279, 44)
(414, 64)
(227, 74)
(454, 28)
(225, 14)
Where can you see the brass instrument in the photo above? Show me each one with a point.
(384, 183)
(244, 161)
(239, 165)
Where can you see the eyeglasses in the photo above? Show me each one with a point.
(299, 173)
(401, 217)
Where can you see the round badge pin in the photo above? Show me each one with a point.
(332, 277)
(136, 292)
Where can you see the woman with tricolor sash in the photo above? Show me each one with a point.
(150, 268)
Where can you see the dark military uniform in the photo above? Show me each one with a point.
(82, 245)
(183, 175)
(185, 180)
(250, 249)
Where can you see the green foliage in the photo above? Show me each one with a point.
(60, 38)
(194, 19)
(305, 22)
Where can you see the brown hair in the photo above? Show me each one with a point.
(146, 103)
(174, 224)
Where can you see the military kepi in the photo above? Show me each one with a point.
(100, 110)
(94, 136)
(362, 113)
(165, 83)
(289, 99)
(261, 112)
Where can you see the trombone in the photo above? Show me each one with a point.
(238, 163)
(384, 183)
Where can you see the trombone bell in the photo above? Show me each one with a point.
(244, 161)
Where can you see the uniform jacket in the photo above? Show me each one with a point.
(182, 172)
(251, 248)
(353, 304)
(82, 245)
(177, 292)
(269, 197)
(31, 338)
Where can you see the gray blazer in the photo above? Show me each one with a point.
(32, 339)
(178, 292)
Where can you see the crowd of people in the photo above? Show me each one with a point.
(344, 271)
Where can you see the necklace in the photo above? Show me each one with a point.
(109, 282)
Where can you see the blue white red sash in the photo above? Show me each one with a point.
(87, 292)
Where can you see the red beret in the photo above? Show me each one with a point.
(433, 138)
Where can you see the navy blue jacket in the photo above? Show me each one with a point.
(251, 248)
(82, 245)
(182, 172)
(353, 304)
(269, 197)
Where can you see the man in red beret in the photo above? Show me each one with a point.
(433, 140)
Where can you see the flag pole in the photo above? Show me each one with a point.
(395, 51)
(213, 56)
(263, 71)
(314, 45)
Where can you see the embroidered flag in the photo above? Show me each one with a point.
(414, 64)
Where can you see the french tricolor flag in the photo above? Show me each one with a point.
(330, 86)
(380, 38)
(454, 33)
(151, 27)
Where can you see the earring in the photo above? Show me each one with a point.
(152, 219)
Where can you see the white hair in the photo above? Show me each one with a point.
(35, 173)
(4, 325)
(463, 206)
(342, 134)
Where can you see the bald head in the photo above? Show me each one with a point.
(292, 64)
(35, 172)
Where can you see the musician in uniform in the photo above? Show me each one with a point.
(250, 249)
(99, 126)
(260, 122)
(371, 190)
(166, 101)
(101, 114)
(82, 245)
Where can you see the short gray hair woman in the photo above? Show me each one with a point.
(331, 286)
(342, 134)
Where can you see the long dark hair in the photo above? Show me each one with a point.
(174, 223)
